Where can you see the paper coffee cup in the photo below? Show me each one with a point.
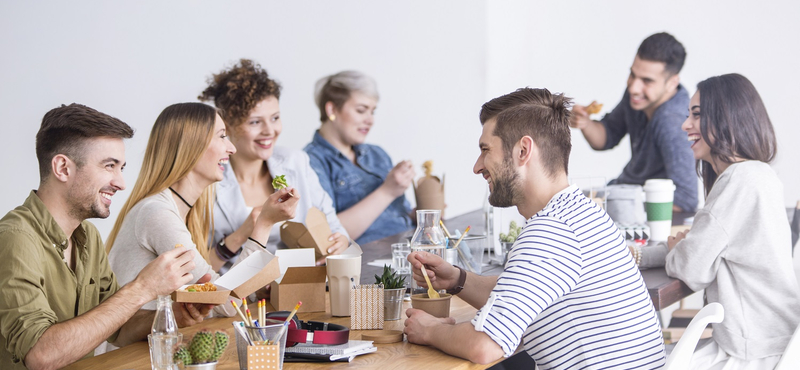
(344, 271)
(659, 194)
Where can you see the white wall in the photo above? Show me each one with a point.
(585, 49)
(133, 59)
(435, 62)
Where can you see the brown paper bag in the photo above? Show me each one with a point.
(366, 307)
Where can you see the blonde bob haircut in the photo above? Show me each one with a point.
(179, 137)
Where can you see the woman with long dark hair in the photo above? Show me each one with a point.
(739, 247)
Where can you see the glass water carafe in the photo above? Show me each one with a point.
(428, 237)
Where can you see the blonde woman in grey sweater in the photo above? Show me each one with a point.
(739, 247)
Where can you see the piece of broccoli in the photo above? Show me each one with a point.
(279, 182)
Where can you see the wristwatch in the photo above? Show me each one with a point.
(462, 277)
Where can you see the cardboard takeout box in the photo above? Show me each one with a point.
(429, 193)
(314, 234)
(306, 284)
(256, 271)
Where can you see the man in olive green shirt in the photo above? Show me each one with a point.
(60, 299)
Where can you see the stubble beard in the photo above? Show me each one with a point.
(84, 203)
(505, 187)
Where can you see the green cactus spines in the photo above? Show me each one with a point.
(220, 343)
(201, 347)
(182, 355)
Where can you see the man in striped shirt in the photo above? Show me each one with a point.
(570, 293)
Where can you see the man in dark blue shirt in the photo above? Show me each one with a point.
(651, 112)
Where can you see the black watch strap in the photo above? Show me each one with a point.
(462, 277)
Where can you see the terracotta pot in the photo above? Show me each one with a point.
(438, 307)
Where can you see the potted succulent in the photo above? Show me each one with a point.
(507, 240)
(203, 351)
(394, 287)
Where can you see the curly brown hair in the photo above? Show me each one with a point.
(237, 90)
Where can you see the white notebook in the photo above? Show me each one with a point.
(339, 349)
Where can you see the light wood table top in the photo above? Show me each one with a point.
(401, 355)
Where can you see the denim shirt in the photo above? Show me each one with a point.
(348, 183)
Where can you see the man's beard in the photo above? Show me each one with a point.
(505, 187)
(84, 204)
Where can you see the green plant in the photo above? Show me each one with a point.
(389, 279)
(204, 347)
(513, 233)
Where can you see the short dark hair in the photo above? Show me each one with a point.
(732, 112)
(536, 113)
(238, 89)
(65, 130)
(663, 47)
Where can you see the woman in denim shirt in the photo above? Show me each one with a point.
(367, 190)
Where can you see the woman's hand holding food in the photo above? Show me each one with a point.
(399, 178)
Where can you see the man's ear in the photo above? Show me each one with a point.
(61, 166)
(673, 82)
(524, 151)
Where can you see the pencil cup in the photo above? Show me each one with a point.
(261, 356)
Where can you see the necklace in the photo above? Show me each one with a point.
(181, 198)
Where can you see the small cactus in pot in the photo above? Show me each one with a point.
(205, 347)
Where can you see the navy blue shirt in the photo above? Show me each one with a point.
(348, 183)
(659, 149)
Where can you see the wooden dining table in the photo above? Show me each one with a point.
(663, 290)
(401, 355)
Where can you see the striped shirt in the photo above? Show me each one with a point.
(572, 294)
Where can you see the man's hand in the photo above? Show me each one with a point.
(280, 206)
(419, 324)
(579, 118)
(167, 273)
(673, 240)
(188, 314)
(399, 178)
(442, 274)
(339, 244)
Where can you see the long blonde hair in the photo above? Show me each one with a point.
(179, 137)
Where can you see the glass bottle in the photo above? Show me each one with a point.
(428, 237)
(164, 336)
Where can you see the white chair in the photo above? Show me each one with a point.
(682, 353)
(791, 356)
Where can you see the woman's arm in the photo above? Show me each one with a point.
(358, 218)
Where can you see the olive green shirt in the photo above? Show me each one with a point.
(38, 287)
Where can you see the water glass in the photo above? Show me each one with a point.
(400, 252)
(162, 349)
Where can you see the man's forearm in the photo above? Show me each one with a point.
(68, 341)
(477, 288)
(595, 134)
(473, 345)
(136, 328)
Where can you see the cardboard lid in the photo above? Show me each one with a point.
(314, 234)
(255, 272)
(301, 275)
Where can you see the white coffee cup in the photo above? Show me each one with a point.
(659, 194)
(344, 271)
